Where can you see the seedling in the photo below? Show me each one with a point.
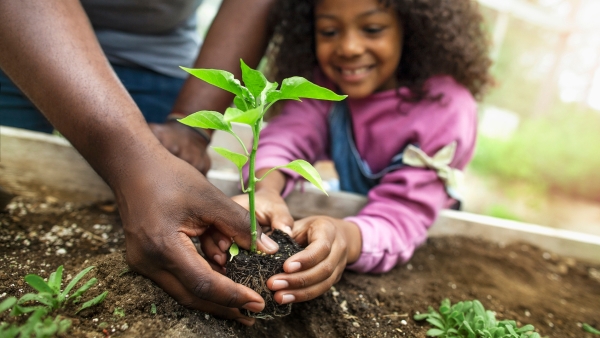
(469, 320)
(50, 298)
(252, 102)
(590, 329)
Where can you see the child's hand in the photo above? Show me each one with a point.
(332, 243)
(271, 210)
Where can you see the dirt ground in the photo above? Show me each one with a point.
(520, 282)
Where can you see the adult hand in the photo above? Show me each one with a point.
(271, 212)
(332, 243)
(183, 142)
(165, 203)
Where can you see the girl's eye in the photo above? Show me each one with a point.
(373, 29)
(327, 32)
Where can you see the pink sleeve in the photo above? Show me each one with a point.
(407, 201)
(299, 132)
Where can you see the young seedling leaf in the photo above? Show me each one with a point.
(153, 309)
(307, 171)
(43, 297)
(63, 325)
(118, 312)
(217, 78)
(295, 88)
(207, 119)
(38, 283)
(74, 281)
(234, 250)
(240, 103)
(254, 80)
(95, 301)
(7, 303)
(248, 117)
(434, 332)
(238, 159)
(590, 329)
(55, 280)
(83, 288)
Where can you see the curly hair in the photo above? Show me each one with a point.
(441, 37)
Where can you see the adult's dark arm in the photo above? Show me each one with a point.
(49, 51)
(240, 30)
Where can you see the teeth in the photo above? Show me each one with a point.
(354, 71)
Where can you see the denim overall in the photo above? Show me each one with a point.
(354, 173)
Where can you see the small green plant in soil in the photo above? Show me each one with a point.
(49, 298)
(469, 319)
(251, 103)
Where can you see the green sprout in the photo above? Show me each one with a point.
(590, 329)
(252, 102)
(469, 319)
(49, 298)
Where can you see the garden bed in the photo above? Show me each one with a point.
(517, 281)
(64, 215)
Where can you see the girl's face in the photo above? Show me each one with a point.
(358, 43)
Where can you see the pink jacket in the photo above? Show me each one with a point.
(407, 201)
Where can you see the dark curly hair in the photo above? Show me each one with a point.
(441, 37)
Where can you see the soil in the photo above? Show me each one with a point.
(253, 271)
(518, 281)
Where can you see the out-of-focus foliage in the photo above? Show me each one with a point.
(558, 153)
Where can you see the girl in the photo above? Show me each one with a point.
(411, 70)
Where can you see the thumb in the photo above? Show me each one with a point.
(234, 221)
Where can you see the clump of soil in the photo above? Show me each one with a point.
(254, 269)
(518, 281)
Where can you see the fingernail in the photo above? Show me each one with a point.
(287, 299)
(254, 306)
(293, 267)
(279, 284)
(246, 321)
(269, 243)
(287, 230)
(218, 259)
(223, 245)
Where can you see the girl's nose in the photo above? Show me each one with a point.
(350, 45)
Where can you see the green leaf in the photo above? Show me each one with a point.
(240, 103)
(8, 303)
(234, 250)
(207, 119)
(436, 322)
(38, 283)
(43, 297)
(83, 289)
(153, 309)
(55, 280)
(421, 316)
(254, 80)
(307, 171)
(246, 117)
(95, 301)
(590, 329)
(118, 312)
(526, 328)
(434, 332)
(296, 87)
(238, 159)
(8, 331)
(74, 281)
(63, 325)
(217, 78)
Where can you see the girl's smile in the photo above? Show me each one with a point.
(358, 45)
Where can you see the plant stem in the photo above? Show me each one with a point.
(252, 185)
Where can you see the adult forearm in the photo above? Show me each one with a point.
(49, 50)
(239, 31)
